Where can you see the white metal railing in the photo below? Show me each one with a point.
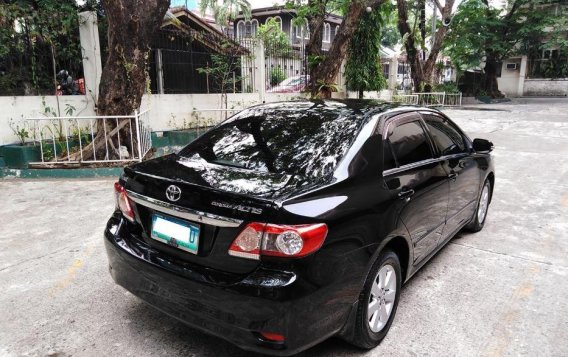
(433, 99)
(405, 98)
(91, 139)
(453, 100)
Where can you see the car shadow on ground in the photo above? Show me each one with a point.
(164, 334)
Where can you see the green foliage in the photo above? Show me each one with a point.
(277, 75)
(222, 73)
(20, 131)
(363, 69)
(226, 10)
(479, 31)
(448, 87)
(31, 33)
(275, 41)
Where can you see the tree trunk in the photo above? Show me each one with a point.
(323, 74)
(131, 25)
(490, 84)
(422, 71)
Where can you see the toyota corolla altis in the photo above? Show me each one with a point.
(292, 222)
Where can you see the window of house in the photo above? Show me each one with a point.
(302, 30)
(336, 30)
(247, 28)
(407, 144)
(278, 19)
(326, 32)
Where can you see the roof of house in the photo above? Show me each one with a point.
(200, 30)
(279, 10)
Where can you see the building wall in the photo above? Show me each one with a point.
(546, 87)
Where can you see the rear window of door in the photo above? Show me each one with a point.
(407, 144)
(446, 137)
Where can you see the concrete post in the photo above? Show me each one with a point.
(393, 72)
(160, 70)
(260, 71)
(522, 76)
(90, 45)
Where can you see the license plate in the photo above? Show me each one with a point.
(176, 233)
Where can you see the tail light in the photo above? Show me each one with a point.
(122, 202)
(293, 241)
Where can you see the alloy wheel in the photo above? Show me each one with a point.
(382, 298)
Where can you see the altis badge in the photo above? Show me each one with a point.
(241, 208)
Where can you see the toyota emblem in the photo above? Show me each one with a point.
(173, 193)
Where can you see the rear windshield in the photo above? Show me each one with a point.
(307, 141)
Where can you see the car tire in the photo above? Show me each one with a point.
(481, 209)
(371, 327)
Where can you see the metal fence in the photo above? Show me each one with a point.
(198, 62)
(434, 99)
(286, 68)
(33, 52)
(91, 139)
(405, 98)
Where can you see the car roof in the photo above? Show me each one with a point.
(356, 106)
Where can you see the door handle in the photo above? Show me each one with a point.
(406, 194)
(453, 176)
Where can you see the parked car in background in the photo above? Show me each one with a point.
(293, 222)
(291, 85)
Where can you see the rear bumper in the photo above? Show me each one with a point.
(235, 310)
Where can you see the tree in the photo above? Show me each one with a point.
(131, 24)
(324, 68)
(37, 38)
(481, 32)
(422, 69)
(363, 69)
(225, 11)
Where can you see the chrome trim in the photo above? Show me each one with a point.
(182, 212)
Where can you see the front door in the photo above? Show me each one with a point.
(455, 154)
(418, 180)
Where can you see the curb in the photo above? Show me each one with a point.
(7, 173)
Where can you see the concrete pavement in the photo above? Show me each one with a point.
(500, 292)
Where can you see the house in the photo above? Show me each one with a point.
(543, 72)
(298, 35)
(185, 50)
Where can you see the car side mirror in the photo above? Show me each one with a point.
(482, 145)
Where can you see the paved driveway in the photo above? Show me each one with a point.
(502, 291)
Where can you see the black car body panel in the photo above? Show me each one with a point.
(412, 209)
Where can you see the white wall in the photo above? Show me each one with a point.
(167, 111)
(18, 108)
(546, 87)
(179, 111)
(509, 80)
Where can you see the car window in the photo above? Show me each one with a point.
(446, 137)
(307, 142)
(408, 144)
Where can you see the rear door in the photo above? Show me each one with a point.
(454, 151)
(418, 180)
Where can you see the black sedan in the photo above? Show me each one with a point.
(292, 222)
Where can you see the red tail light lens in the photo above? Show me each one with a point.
(274, 337)
(278, 240)
(122, 202)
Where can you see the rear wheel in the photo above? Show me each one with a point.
(378, 301)
(478, 220)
